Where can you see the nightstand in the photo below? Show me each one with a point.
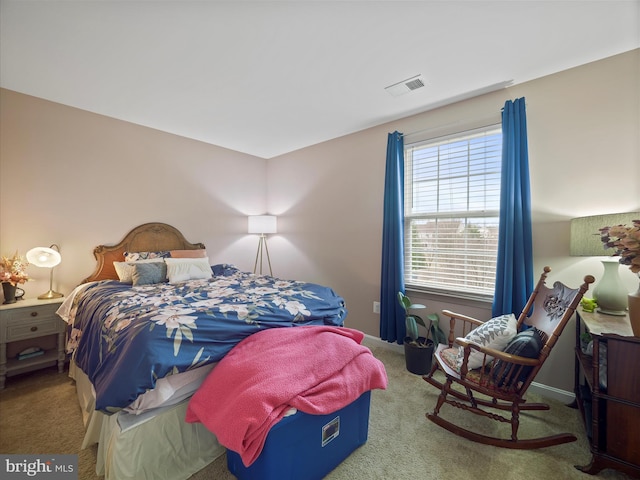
(30, 323)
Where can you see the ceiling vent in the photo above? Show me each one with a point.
(406, 86)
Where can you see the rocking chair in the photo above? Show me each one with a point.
(503, 375)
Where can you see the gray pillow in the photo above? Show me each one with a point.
(149, 273)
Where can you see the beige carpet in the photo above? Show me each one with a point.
(39, 414)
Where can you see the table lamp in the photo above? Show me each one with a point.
(610, 293)
(46, 258)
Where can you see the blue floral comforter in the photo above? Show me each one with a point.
(128, 337)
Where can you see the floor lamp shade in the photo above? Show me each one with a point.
(609, 293)
(263, 224)
(46, 257)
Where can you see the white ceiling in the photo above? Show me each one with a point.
(269, 77)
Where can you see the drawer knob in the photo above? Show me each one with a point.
(34, 314)
(34, 329)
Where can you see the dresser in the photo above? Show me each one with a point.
(26, 325)
(607, 388)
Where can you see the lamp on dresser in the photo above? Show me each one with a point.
(46, 257)
(586, 240)
(262, 225)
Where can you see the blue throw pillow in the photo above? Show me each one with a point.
(525, 344)
(149, 273)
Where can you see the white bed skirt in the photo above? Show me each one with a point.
(155, 446)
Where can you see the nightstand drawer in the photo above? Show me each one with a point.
(32, 328)
(29, 321)
(29, 313)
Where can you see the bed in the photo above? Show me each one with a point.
(143, 345)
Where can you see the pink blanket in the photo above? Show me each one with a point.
(315, 369)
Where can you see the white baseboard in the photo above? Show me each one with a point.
(378, 342)
(538, 388)
(553, 393)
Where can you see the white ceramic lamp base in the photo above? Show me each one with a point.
(610, 293)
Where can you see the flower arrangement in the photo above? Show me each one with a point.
(626, 241)
(13, 269)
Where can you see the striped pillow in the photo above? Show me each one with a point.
(525, 344)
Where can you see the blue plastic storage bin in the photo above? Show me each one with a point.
(307, 447)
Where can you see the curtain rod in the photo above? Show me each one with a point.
(465, 96)
(485, 122)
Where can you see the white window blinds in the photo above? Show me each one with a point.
(452, 201)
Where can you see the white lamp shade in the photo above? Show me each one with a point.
(263, 224)
(44, 257)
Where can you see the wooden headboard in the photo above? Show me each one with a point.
(149, 237)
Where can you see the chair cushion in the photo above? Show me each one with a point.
(495, 333)
(527, 343)
(449, 356)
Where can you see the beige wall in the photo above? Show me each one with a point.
(79, 179)
(583, 131)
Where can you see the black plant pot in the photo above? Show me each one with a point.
(9, 292)
(418, 358)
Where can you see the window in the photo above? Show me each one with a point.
(452, 203)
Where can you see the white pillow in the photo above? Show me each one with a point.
(183, 269)
(125, 269)
(495, 333)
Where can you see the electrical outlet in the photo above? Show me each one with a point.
(376, 307)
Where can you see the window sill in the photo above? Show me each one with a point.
(462, 298)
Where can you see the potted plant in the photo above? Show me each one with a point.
(12, 273)
(418, 351)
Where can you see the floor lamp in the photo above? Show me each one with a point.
(47, 258)
(609, 293)
(262, 225)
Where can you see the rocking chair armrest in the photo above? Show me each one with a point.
(467, 346)
(510, 358)
(492, 352)
(459, 316)
(463, 342)
(468, 324)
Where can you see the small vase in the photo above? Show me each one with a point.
(9, 291)
(610, 293)
(634, 312)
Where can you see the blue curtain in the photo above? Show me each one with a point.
(514, 273)
(392, 326)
